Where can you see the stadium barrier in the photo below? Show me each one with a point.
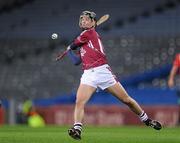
(109, 114)
(2, 116)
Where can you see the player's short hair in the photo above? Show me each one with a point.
(91, 14)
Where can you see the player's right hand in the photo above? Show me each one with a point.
(68, 48)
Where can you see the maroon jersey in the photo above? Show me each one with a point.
(92, 50)
(177, 61)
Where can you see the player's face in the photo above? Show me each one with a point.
(86, 22)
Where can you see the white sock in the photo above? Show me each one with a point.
(78, 126)
(143, 117)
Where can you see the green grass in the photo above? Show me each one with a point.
(58, 134)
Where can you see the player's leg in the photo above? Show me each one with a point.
(118, 91)
(83, 95)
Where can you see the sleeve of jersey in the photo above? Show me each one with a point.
(81, 39)
(177, 60)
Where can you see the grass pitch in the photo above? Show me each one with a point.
(58, 134)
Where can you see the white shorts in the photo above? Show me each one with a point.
(99, 77)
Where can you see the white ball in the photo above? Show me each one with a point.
(54, 36)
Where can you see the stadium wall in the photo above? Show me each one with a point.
(2, 116)
(109, 114)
